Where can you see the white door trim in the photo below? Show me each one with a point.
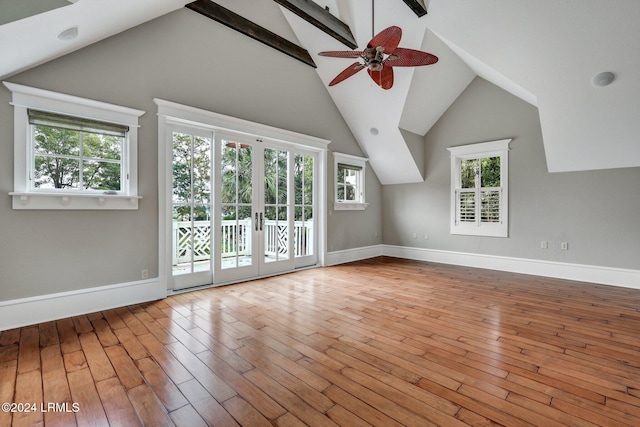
(174, 113)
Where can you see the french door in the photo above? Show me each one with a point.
(191, 207)
(242, 207)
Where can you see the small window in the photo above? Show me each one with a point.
(349, 182)
(73, 153)
(479, 196)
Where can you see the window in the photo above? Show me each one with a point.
(349, 182)
(73, 153)
(70, 153)
(479, 196)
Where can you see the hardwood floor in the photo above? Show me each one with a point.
(383, 342)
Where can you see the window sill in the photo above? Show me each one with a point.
(486, 230)
(349, 206)
(71, 201)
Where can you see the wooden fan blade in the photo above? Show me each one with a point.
(410, 58)
(388, 38)
(347, 72)
(383, 78)
(342, 54)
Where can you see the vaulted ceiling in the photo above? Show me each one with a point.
(544, 52)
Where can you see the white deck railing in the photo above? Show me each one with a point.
(236, 239)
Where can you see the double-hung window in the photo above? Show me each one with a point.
(73, 153)
(349, 182)
(479, 189)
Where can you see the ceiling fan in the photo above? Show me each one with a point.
(380, 56)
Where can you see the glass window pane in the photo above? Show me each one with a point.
(50, 140)
(303, 232)
(283, 157)
(308, 180)
(228, 169)
(236, 229)
(229, 237)
(245, 173)
(490, 168)
(182, 240)
(181, 168)
(270, 234)
(202, 237)
(103, 176)
(201, 170)
(468, 171)
(270, 176)
(99, 146)
(350, 192)
(298, 178)
(56, 172)
(341, 192)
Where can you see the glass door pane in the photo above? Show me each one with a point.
(276, 231)
(191, 208)
(236, 204)
(304, 230)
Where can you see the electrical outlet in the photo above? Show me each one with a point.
(415, 235)
(564, 246)
(544, 244)
(426, 236)
(145, 273)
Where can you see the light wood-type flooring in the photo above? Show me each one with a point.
(383, 342)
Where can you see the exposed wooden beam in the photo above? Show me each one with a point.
(417, 6)
(317, 16)
(233, 20)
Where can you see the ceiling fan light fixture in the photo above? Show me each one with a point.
(68, 34)
(604, 78)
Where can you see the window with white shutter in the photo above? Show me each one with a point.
(479, 182)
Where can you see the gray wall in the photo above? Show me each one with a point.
(181, 57)
(596, 212)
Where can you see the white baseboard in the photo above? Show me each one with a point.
(43, 308)
(350, 255)
(580, 272)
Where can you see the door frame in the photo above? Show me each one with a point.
(171, 113)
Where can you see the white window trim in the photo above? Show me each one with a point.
(499, 148)
(351, 160)
(24, 197)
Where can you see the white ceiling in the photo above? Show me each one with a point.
(544, 52)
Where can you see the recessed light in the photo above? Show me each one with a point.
(374, 131)
(603, 79)
(69, 33)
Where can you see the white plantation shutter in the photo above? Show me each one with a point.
(478, 210)
(467, 205)
(490, 205)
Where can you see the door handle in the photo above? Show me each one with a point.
(256, 221)
(261, 221)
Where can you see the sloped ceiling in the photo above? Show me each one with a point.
(544, 52)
